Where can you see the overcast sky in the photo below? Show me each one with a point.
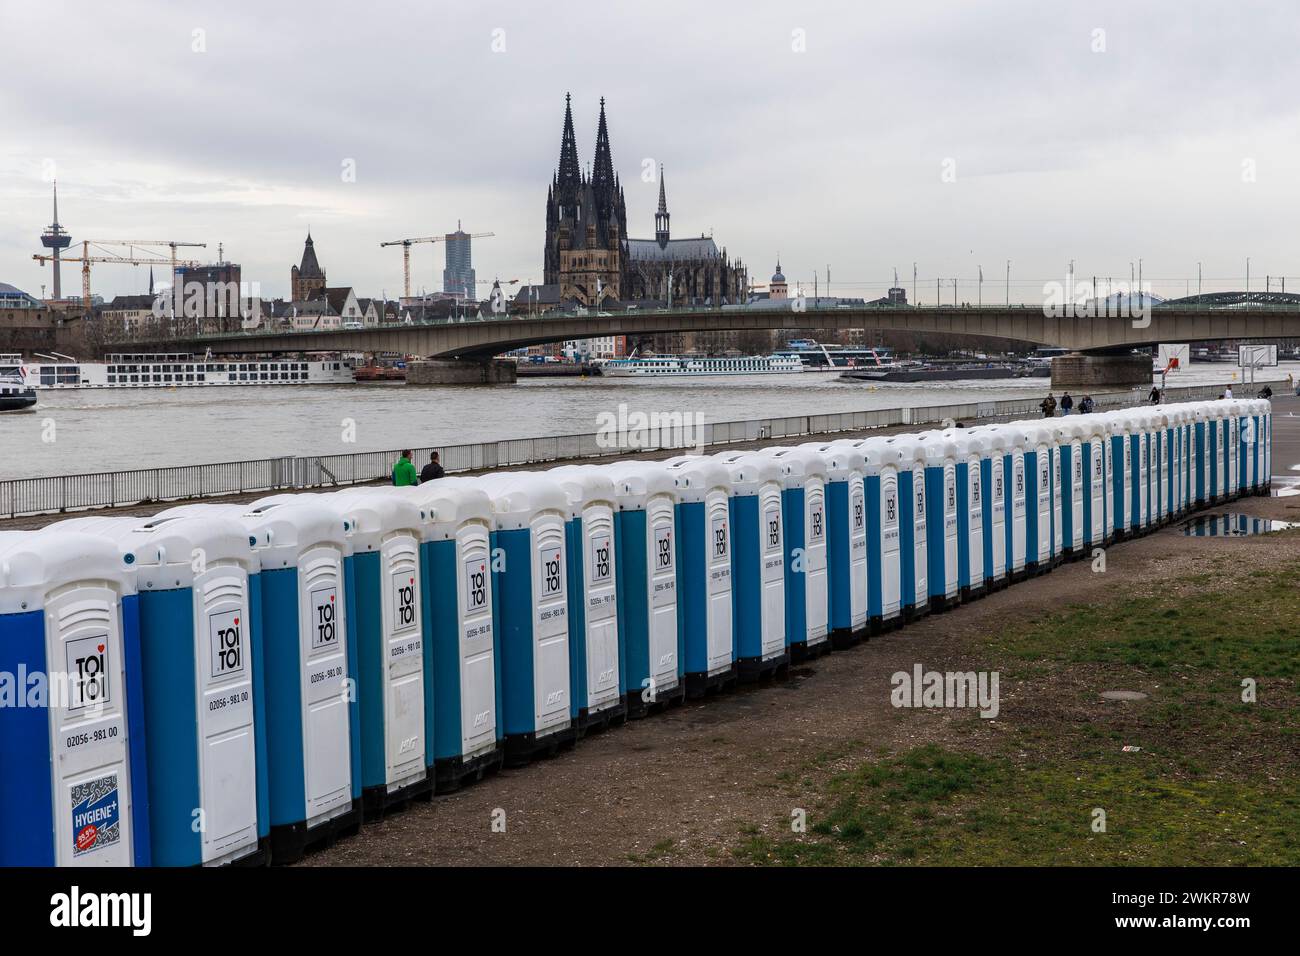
(860, 136)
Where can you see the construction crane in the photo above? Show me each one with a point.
(86, 259)
(131, 244)
(406, 253)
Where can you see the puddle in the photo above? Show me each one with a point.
(1233, 526)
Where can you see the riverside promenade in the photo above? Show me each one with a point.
(34, 502)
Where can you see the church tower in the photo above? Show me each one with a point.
(661, 217)
(307, 279)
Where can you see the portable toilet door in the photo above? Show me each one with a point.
(312, 704)
(1200, 481)
(1139, 471)
(74, 790)
(704, 544)
(460, 654)
(1266, 444)
(1156, 427)
(968, 453)
(645, 546)
(593, 596)
(914, 533)
(1038, 502)
(993, 484)
(1116, 461)
(385, 623)
(851, 569)
(530, 595)
(1258, 418)
(1016, 467)
(1176, 458)
(941, 519)
(1233, 422)
(1058, 494)
(1215, 450)
(803, 515)
(757, 566)
(1070, 438)
(197, 577)
(884, 535)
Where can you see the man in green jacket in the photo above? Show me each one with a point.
(404, 471)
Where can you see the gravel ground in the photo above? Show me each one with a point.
(678, 787)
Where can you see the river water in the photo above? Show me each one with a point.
(82, 430)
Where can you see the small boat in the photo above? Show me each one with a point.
(15, 394)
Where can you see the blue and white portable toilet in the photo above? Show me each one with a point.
(531, 610)
(757, 565)
(646, 561)
(313, 722)
(849, 563)
(1040, 509)
(386, 617)
(1161, 461)
(1232, 422)
(1140, 451)
(462, 674)
(73, 764)
(1176, 458)
(1092, 450)
(971, 450)
(807, 588)
(199, 598)
(597, 698)
(1017, 498)
(884, 508)
(1070, 434)
(913, 531)
(941, 519)
(1118, 500)
(1168, 468)
(704, 579)
(1241, 409)
(1261, 457)
(989, 444)
(1200, 455)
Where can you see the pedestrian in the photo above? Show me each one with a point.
(1227, 392)
(1154, 397)
(404, 472)
(1067, 403)
(433, 470)
(1048, 405)
(1086, 406)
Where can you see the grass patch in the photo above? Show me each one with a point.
(1217, 781)
(935, 806)
(1251, 629)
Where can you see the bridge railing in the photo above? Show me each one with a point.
(55, 494)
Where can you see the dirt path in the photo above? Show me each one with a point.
(679, 787)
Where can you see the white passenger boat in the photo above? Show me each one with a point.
(15, 394)
(678, 366)
(182, 370)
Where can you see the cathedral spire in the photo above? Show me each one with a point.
(570, 173)
(602, 176)
(661, 217)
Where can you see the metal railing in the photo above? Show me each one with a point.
(21, 497)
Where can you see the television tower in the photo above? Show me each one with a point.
(56, 237)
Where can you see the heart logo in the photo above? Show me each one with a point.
(331, 599)
(236, 622)
(101, 648)
(412, 580)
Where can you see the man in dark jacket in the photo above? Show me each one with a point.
(1067, 404)
(433, 470)
(1048, 405)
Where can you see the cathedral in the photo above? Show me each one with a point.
(592, 260)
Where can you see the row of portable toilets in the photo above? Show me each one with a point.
(228, 683)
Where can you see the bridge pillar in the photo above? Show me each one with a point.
(1080, 371)
(460, 372)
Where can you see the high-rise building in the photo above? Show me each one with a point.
(458, 275)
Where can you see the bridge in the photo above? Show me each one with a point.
(1104, 339)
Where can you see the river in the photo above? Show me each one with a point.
(101, 430)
